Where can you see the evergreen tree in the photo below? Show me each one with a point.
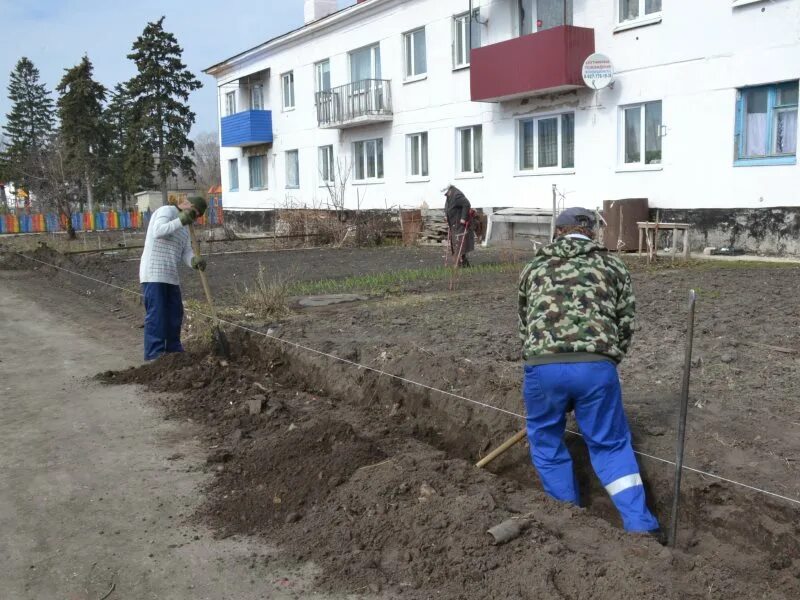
(129, 164)
(29, 124)
(80, 109)
(160, 93)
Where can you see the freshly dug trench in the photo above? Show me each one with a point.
(363, 483)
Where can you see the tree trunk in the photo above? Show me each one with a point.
(164, 194)
(89, 193)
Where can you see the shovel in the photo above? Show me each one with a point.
(219, 341)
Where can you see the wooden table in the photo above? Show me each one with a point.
(649, 230)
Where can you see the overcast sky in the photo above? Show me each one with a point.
(55, 34)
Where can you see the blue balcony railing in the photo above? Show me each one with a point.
(247, 128)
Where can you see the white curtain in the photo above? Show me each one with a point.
(755, 134)
(786, 134)
(548, 143)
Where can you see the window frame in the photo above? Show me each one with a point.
(230, 103)
(379, 164)
(641, 21)
(460, 174)
(641, 165)
(233, 168)
(559, 169)
(464, 61)
(325, 155)
(409, 55)
(376, 66)
(289, 75)
(422, 162)
(740, 160)
(264, 173)
(260, 88)
(318, 75)
(296, 153)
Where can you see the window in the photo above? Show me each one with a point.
(322, 76)
(538, 15)
(368, 160)
(233, 175)
(257, 97)
(230, 103)
(292, 169)
(546, 143)
(417, 155)
(632, 11)
(287, 80)
(365, 63)
(469, 149)
(327, 173)
(415, 53)
(641, 134)
(461, 37)
(257, 166)
(766, 124)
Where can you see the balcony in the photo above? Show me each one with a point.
(538, 63)
(247, 128)
(358, 103)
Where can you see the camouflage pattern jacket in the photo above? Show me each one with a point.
(576, 304)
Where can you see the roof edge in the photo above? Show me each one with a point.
(334, 18)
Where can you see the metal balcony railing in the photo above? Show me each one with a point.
(364, 101)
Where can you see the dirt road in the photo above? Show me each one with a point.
(95, 488)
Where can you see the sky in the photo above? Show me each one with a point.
(55, 34)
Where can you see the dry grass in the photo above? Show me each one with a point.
(266, 298)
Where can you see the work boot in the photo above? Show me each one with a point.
(464, 262)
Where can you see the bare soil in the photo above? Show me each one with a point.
(398, 507)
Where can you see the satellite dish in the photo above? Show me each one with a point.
(597, 71)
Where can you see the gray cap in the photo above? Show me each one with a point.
(576, 217)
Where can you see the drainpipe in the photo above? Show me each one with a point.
(469, 33)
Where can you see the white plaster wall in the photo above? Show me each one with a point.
(693, 60)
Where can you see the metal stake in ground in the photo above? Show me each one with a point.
(681, 440)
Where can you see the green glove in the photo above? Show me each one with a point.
(199, 263)
(187, 216)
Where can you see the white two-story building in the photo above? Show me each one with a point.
(387, 98)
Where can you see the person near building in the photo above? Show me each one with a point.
(458, 214)
(166, 245)
(576, 320)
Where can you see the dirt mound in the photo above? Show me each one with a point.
(14, 261)
(363, 490)
(286, 474)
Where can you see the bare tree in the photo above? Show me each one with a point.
(51, 182)
(206, 161)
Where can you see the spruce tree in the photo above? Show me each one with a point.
(80, 109)
(29, 123)
(129, 164)
(160, 93)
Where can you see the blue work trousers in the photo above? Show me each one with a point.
(163, 319)
(593, 389)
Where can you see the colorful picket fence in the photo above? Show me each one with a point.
(111, 220)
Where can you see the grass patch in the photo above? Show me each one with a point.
(382, 282)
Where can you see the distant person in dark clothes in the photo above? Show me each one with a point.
(166, 245)
(457, 212)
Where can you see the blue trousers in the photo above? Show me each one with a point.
(163, 318)
(593, 389)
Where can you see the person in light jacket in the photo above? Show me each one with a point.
(166, 245)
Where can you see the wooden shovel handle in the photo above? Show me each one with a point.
(203, 279)
(518, 437)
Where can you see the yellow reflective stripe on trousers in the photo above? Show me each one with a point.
(623, 483)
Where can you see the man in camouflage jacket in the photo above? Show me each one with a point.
(576, 317)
